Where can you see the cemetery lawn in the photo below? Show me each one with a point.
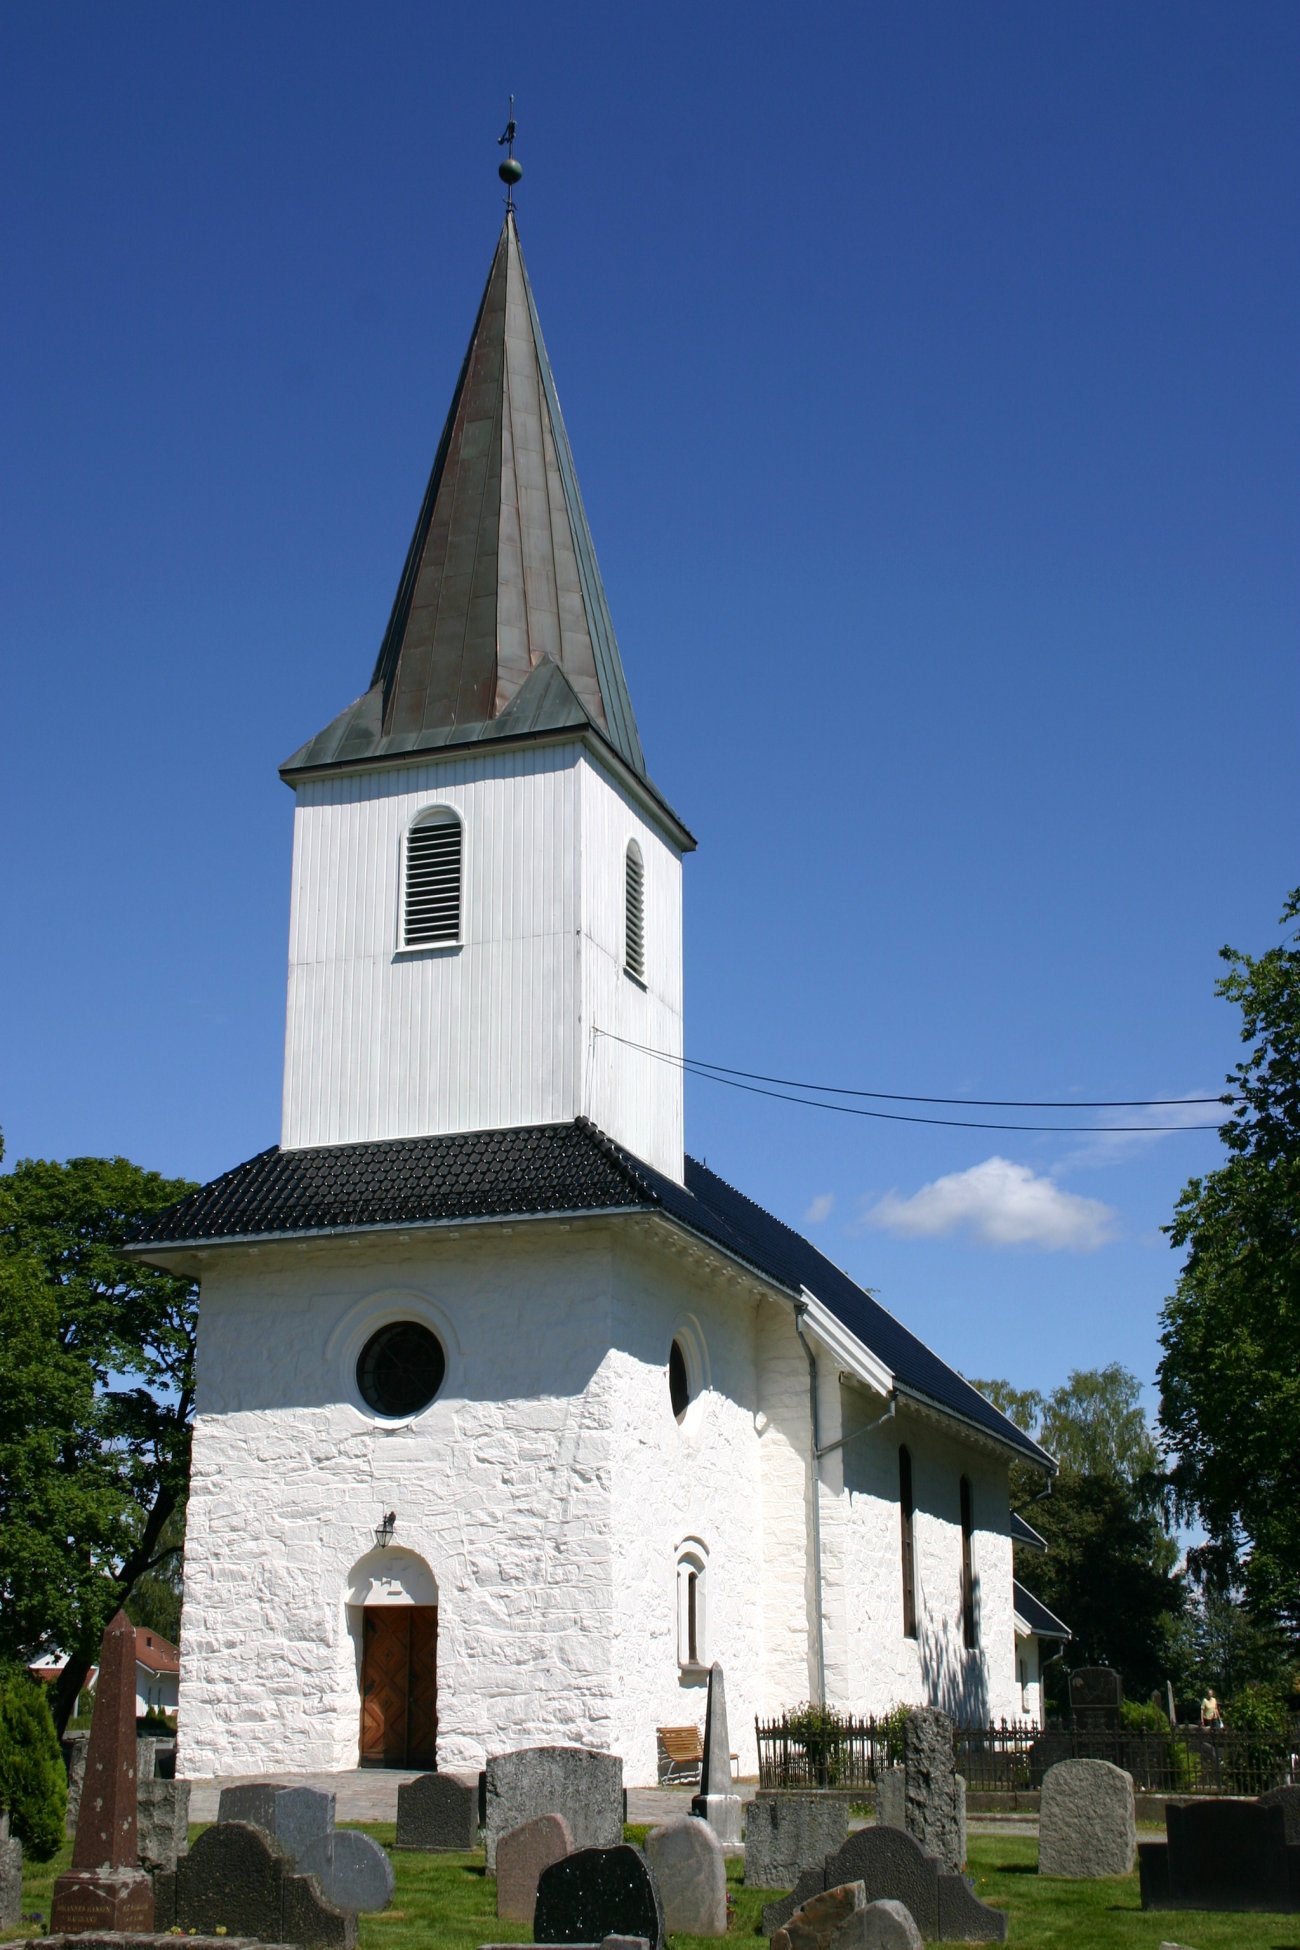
(448, 1900)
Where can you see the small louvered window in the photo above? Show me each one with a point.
(431, 911)
(634, 953)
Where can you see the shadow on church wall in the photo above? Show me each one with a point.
(955, 1678)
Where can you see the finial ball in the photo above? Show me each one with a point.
(510, 171)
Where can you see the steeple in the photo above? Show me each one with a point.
(500, 629)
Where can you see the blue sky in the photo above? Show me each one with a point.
(931, 375)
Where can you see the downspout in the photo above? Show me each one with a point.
(819, 1633)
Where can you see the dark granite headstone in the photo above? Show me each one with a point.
(106, 1889)
(596, 1893)
(237, 1879)
(891, 1866)
(1227, 1855)
(230, 1880)
(305, 1917)
(1153, 1875)
(1095, 1694)
(436, 1811)
(1288, 1800)
(887, 1862)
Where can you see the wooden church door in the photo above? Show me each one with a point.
(399, 1686)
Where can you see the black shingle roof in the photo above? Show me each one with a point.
(1043, 1623)
(540, 1169)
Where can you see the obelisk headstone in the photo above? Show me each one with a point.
(715, 1802)
(106, 1889)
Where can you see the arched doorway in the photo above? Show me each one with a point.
(393, 1599)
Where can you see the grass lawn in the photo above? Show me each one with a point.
(448, 1901)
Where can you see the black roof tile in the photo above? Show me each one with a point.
(1043, 1623)
(539, 1169)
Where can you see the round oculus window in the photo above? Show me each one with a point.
(400, 1369)
(679, 1387)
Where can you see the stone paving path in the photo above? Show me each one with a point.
(370, 1794)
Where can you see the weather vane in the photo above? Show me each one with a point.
(509, 171)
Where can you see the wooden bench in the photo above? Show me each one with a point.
(681, 1754)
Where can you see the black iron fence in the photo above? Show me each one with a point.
(1012, 1756)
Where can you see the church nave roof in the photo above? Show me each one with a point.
(540, 1170)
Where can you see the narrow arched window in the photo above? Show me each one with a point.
(431, 897)
(691, 1622)
(969, 1623)
(906, 1514)
(679, 1380)
(634, 903)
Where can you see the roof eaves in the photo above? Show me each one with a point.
(141, 1249)
(1025, 1448)
(854, 1355)
(637, 783)
(1033, 1618)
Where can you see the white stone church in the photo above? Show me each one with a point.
(512, 1417)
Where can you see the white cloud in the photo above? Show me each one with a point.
(1001, 1203)
(820, 1209)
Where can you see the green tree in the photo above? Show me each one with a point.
(117, 1339)
(33, 1785)
(1107, 1570)
(1230, 1377)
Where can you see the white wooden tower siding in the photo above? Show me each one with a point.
(625, 1421)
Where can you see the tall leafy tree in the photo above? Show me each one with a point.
(101, 1352)
(1230, 1377)
(1107, 1571)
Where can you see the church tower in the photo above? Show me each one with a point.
(486, 922)
(510, 1419)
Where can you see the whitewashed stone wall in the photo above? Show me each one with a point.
(697, 1480)
(934, 1668)
(548, 1490)
(502, 1486)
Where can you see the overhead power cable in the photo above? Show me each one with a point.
(754, 1086)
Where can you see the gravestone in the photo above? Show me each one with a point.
(816, 1922)
(596, 1893)
(436, 1811)
(926, 1796)
(302, 1819)
(892, 1867)
(1086, 1822)
(354, 1872)
(1288, 1800)
(687, 1862)
(1095, 1695)
(162, 1822)
(251, 1801)
(237, 1880)
(522, 1854)
(11, 1875)
(883, 1925)
(788, 1833)
(580, 1783)
(717, 1802)
(106, 1889)
(1221, 1854)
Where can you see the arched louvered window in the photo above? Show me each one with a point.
(431, 899)
(969, 1621)
(634, 928)
(906, 1517)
